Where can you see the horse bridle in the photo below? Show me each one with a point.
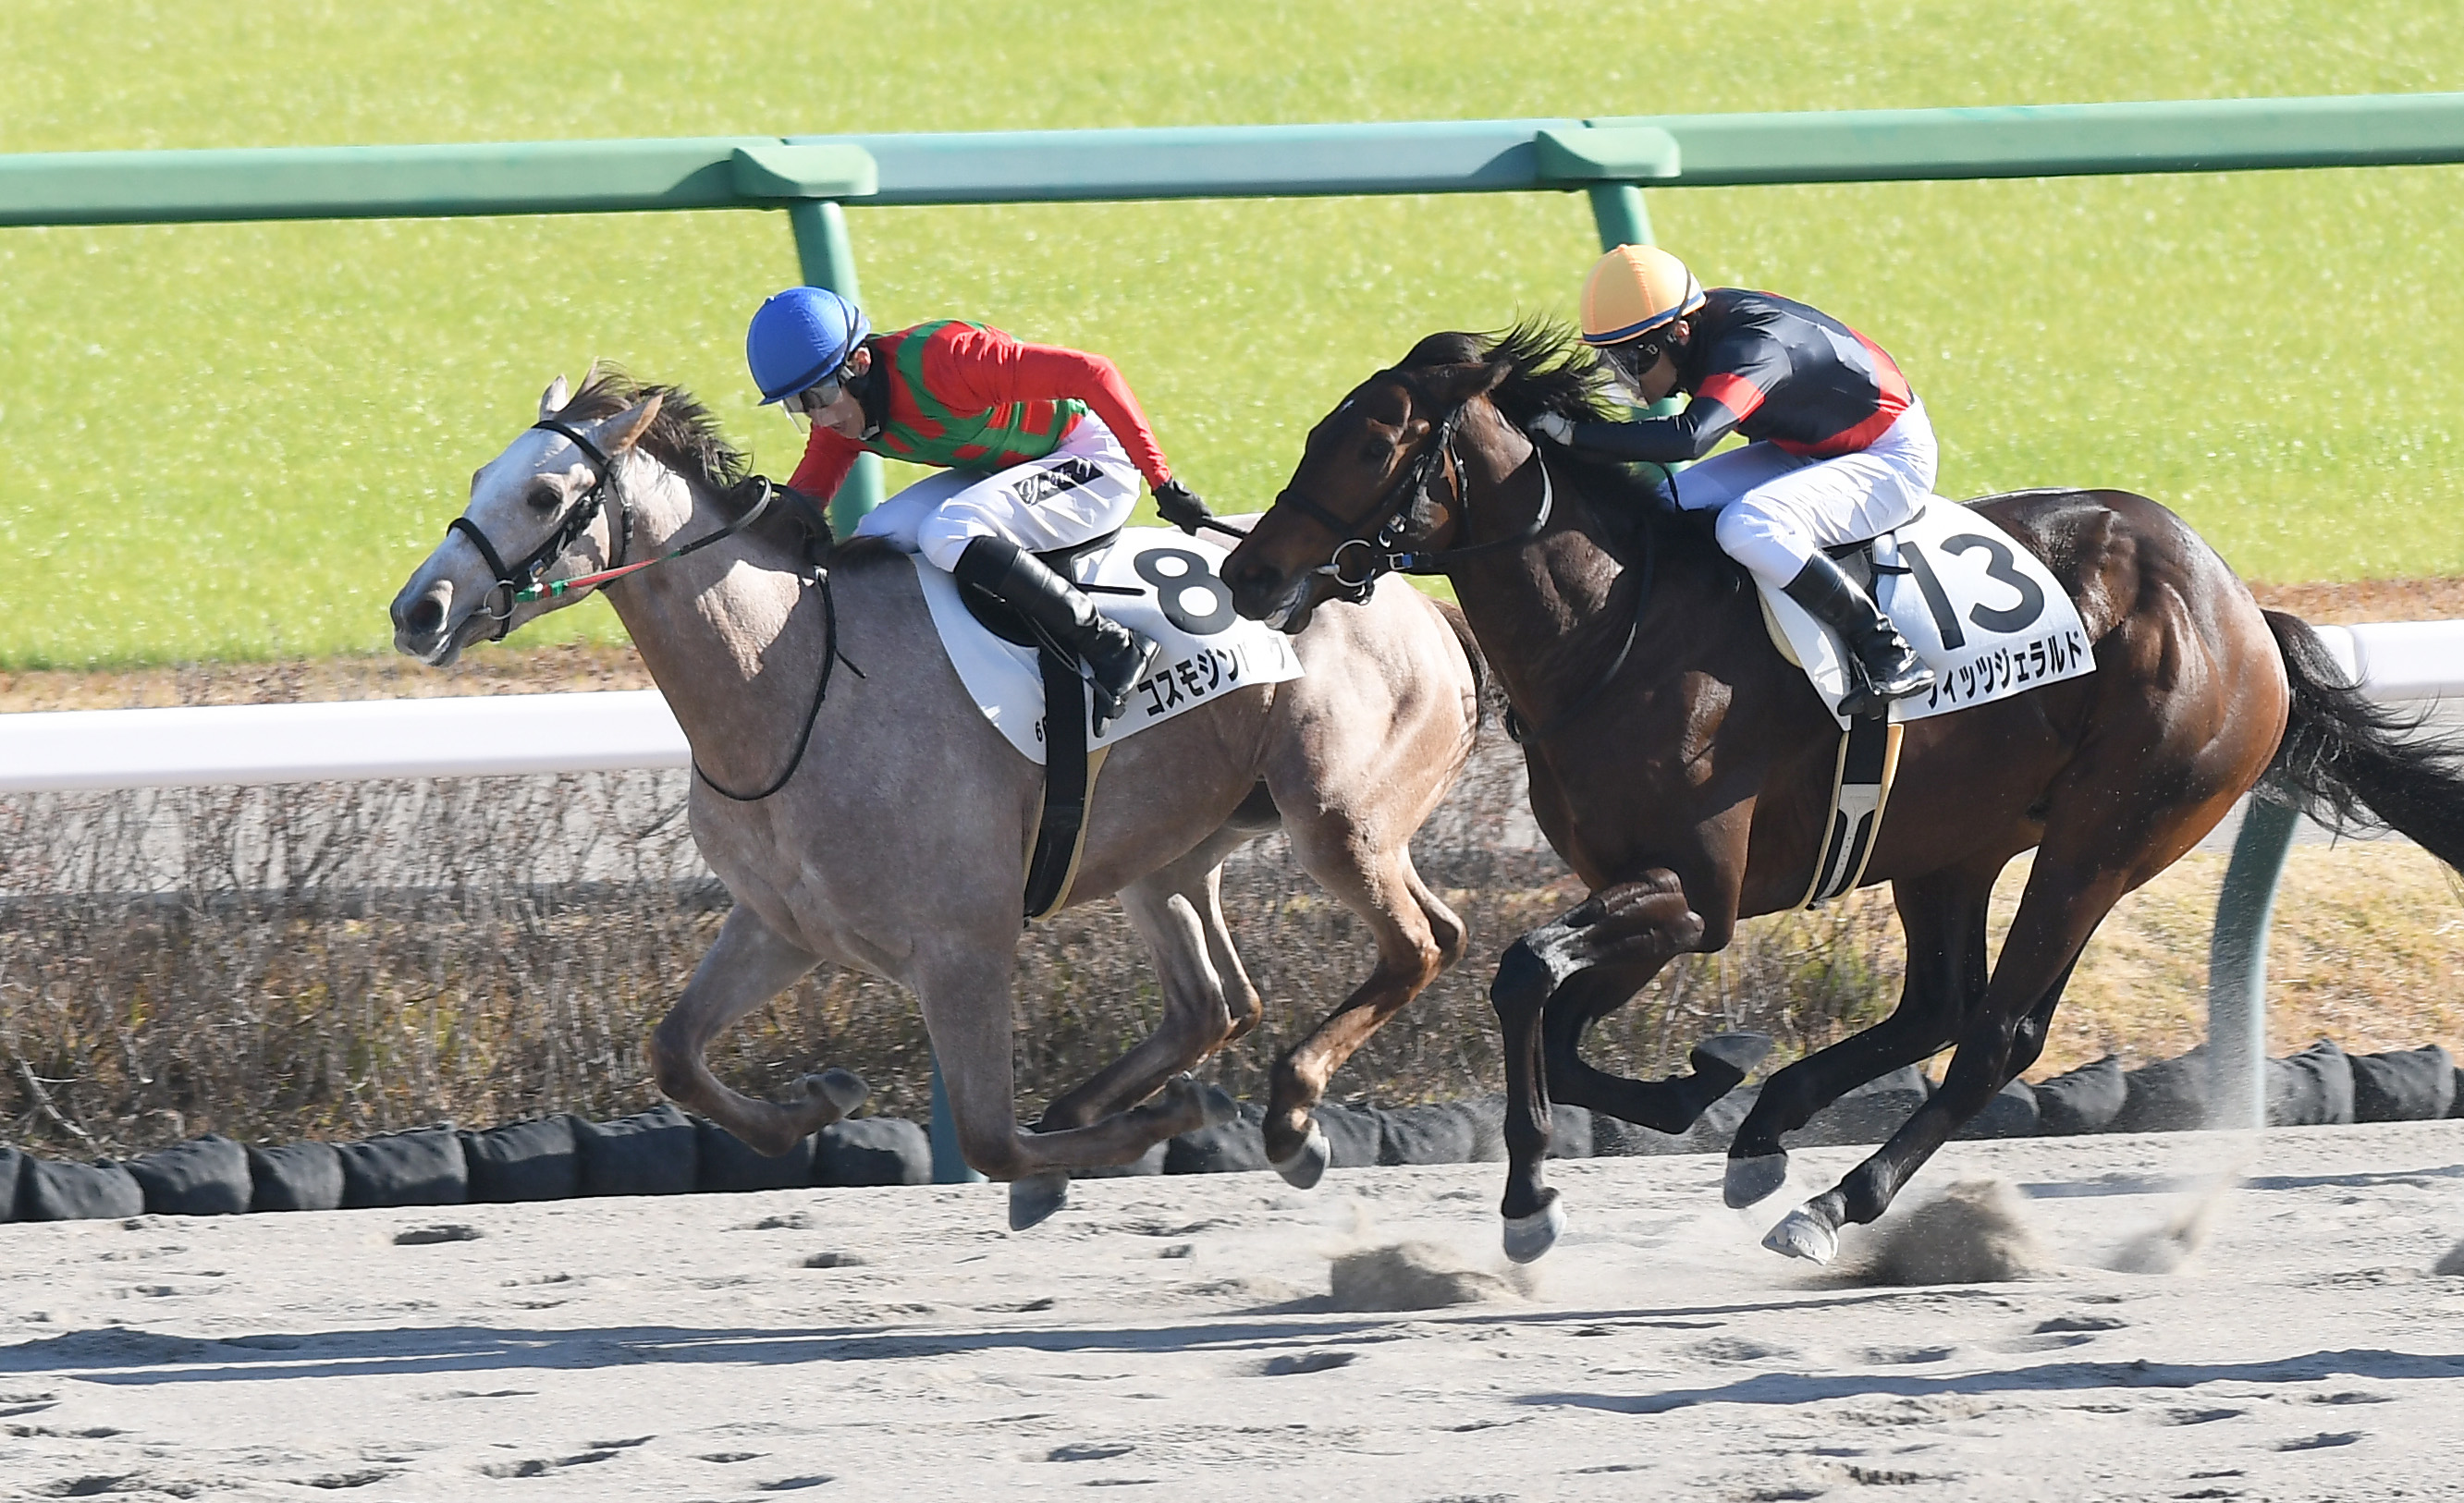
(1385, 558)
(522, 581)
(1412, 488)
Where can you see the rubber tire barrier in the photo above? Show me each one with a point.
(534, 1160)
(2014, 1112)
(423, 1166)
(2403, 1085)
(873, 1150)
(298, 1176)
(2085, 1101)
(728, 1164)
(2313, 1088)
(206, 1176)
(667, 1151)
(60, 1189)
(1439, 1132)
(655, 1152)
(1353, 1135)
(1235, 1148)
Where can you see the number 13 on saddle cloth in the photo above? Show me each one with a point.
(1149, 579)
(1984, 613)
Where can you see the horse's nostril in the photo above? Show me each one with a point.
(426, 617)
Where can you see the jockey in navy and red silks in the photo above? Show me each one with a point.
(1039, 448)
(1839, 449)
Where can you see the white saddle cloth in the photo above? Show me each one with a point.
(1182, 602)
(1983, 612)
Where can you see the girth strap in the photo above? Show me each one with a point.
(1861, 789)
(1069, 786)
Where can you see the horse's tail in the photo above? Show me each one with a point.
(1484, 687)
(2354, 764)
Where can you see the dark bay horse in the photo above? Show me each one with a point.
(1683, 767)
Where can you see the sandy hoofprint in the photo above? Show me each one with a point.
(1184, 1334)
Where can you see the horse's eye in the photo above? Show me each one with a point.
(542, 497)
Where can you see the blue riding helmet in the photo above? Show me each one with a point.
(802, 335)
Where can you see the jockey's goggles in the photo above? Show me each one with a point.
(805, 406)
(1630, 361)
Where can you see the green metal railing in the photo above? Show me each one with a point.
(812, 178)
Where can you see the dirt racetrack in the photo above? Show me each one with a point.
(1179, 1334)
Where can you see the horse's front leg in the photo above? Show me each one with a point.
(1174, 910)
(749, 964)
(1718, 1064)
(965, 990)
(1623, 933)
(1943, 915)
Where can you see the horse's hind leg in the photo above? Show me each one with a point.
(1417, 938)
(748, 965)
(2060, 909)
(1943, 914)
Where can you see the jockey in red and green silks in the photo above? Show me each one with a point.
(1039, 448)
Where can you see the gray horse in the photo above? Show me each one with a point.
(900, 844)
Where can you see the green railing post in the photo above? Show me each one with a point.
(949, 1165)
(827, 259)
(1617, 208)
(2237, 967)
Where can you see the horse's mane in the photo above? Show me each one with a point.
(1549, 369)
(686, 438)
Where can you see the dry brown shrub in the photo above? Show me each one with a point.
(342, 959)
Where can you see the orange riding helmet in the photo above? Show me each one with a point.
(1634, 290)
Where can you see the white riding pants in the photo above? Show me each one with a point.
(1777, 509)
(1084, 489)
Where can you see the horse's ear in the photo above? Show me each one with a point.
(552, 401)
(622, 431)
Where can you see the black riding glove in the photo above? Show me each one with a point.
(1179, 505)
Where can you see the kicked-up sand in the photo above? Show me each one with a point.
(1183, 1338)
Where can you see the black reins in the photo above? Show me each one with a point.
(1384, 557)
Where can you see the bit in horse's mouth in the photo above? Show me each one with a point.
(1280, 619)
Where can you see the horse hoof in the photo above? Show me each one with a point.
(1729, 1054)
(1036, 1197)
(844, 1089)
(1308, 1164)
(1752, 1179)
(1526, 1237)
(1799, 1234)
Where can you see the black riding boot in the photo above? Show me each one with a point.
(1878, 655)
(1116, 656)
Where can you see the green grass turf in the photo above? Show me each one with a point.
(236, 441)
